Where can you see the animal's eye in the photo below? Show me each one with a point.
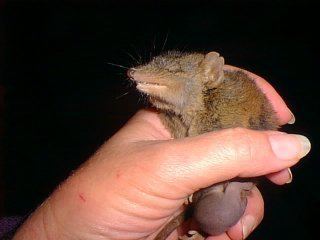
(174, 68)
(158, 62)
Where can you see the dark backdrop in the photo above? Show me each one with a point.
(62, 99)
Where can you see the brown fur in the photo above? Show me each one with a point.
(195, 95)
(198, 96)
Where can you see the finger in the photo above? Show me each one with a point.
(144, 125)
(283, 112)
(282, 177)
(197, 162)
(250, 219)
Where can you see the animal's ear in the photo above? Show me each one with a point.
(212, 69)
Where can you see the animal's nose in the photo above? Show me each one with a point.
(130, 73)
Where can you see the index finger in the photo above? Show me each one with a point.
(280, 107)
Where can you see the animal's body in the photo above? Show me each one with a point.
(194, 95)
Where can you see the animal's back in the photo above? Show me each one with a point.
(236, 102)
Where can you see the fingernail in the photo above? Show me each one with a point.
(305, 143)
(289, 146)
(293, 118)
(290, 176)
(248, 225)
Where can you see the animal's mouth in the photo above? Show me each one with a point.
(149, 87)
(148, 83)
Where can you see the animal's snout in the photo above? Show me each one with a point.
(130, 73)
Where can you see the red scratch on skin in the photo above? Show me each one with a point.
(118, 174)
(82, 197)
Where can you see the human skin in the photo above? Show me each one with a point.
(139, 179)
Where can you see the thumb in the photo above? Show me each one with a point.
(196, 162)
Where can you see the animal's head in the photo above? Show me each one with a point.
(174, 79)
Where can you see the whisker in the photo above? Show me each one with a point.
(122, 95)
(184, 48)
(117, 65)
(132, 57)
(165, 41)
(154, 43)
(137, 53)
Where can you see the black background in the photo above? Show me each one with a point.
(63, 100)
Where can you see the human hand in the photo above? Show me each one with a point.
(140, 178)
